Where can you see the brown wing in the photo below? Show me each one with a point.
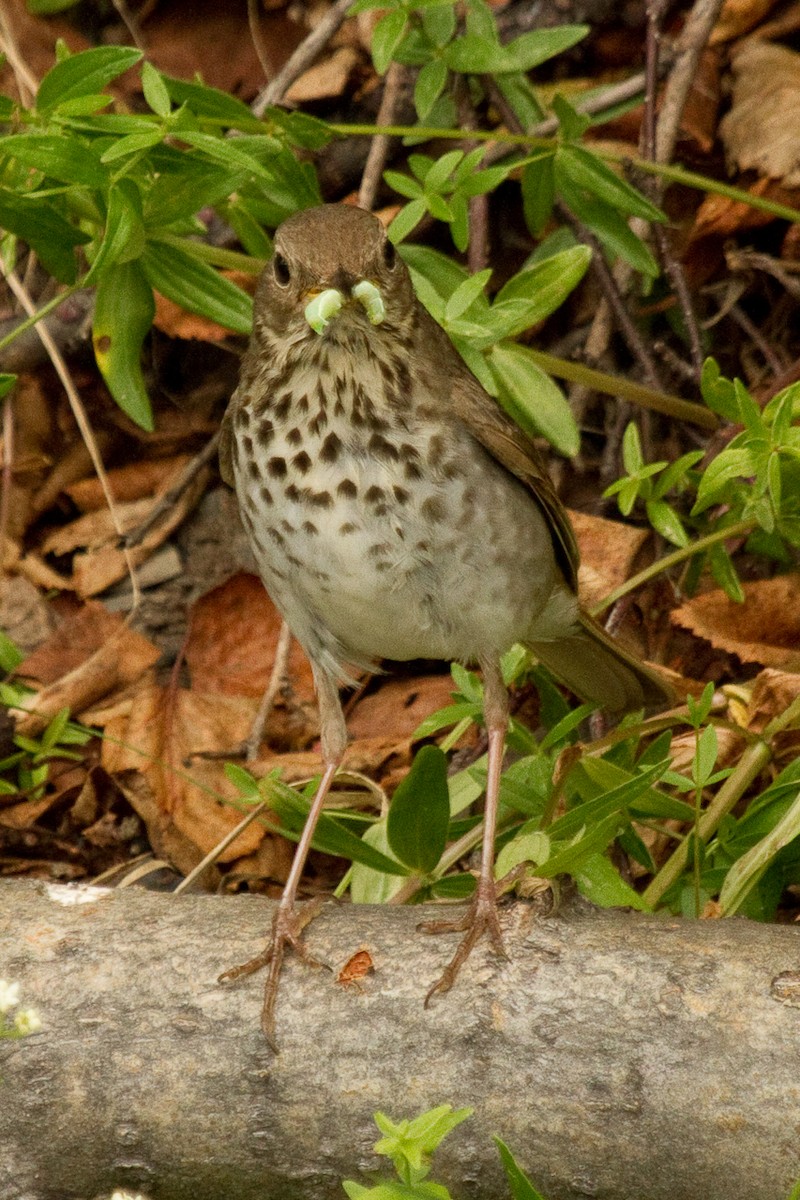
(226, 445)
(506, 442)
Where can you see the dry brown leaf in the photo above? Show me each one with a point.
(96, 570)
(773, 692)
(699, 117)
(164, 727)
(764, 629)
(149, 477)
(608, 551)
(230, 648)
(95, 529)
(399, 705)
(761, 131)
(325, 80)
(79, 636)
(739, 17)
(720, 216)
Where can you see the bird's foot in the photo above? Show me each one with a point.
(287, 928)
(481, 917)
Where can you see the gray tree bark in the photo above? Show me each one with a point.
(620, 1056)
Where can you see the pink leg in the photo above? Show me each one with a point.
(288, 924)
(481, 916)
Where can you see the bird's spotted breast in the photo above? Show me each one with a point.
(380, 529)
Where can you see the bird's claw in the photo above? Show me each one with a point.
(287, 929)
(481, 917)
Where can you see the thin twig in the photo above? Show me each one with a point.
(27, 82)
(677, 278)
(276, 679)
(478, 206)
(5, 485)
(752, 331)
(171, 497)
(691, 44)
(303, 57)
(614, 299)
(257, 36)
(214, 854)
(379, 146)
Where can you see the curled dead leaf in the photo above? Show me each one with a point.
(764, 629)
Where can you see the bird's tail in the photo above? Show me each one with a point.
(598, 670)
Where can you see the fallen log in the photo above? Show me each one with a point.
(621, 1056)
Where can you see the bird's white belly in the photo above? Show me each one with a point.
(393, 557)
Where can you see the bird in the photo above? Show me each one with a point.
(396, 512)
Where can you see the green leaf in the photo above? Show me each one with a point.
(228, 153)
(665, 520)
(748, 869)
(573, 124)
(211, 102)
(429, 86)
(613, 231)
(134, 143)
(176, 273)
(545, 286)
(368, 886)
(70, 159)
(476, 54)
(124, 237)
(331, 835)
(439, 23)
(705, 756)
(586, 170)
(598, 880)
(538, 192)
(465, 294)
(419, 813)
(84, 74)
(521, 1187)
(440, 171)
(533, 847)
(10, 654)
(532, 49)
(729, 465)
(123, 314)
(386, 38)
(155, 90)
(529, 395)
(724, 573)
(718, 392)
(7, 382)
(45, 230)
(404, 184)
(407, 219)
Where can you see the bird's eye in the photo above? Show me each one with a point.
(389, 254)
(280, 269)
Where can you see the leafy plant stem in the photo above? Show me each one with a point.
(450, 857)
(217, 256)
(668, 171)
(673, 559)
(637, 393)
(751, 764)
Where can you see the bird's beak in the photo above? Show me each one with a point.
(323, 306)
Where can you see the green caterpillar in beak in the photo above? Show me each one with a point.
(321, 309)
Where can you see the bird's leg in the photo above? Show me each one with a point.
(481, 917)
(288, 924)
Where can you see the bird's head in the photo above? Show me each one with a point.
(334, 275)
